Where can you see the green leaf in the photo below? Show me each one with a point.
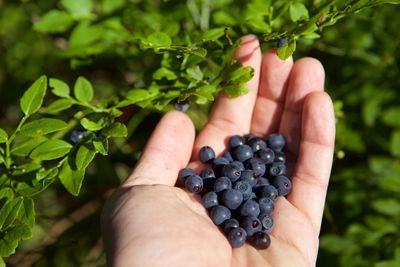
(206, 91)
(84, 156)
(59, 105)
(51, 149)
(214, 34)
(391, 116)
(6, 194)
(43, 126)
(157, 40)
(71, 178)
(137, 95)
(116, 130)
(3, 136)
(27, 212)
(11, 238)
(195, 73)
(395, 143)
(389, 206)
(26, 168)
(110, 6)
(297, 11)
(54, 21)
(101, 146)
(60, 88)
(164, 73)
(31, 186)
(78, 8)
(32, 99)
(23, 145)
(287, 50)
(236, 90)
(9, 212)
(91, 125)
(46, 173)
(83, 90)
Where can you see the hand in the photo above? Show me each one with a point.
(149, 222)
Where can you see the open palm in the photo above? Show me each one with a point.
(149, 222)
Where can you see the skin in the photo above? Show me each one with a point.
(150, 222)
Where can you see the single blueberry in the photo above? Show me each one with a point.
(222, 183)
(210, 200)
(248, 176)
(281, 42)
(207, 173)
(268, 191)
(237, 237)
(249, 136)
(231, 171)
(76, 136)
(182, 106)
(219, 214)
(277, 168)
(251, 225)
(280, 157)
(250, 208)
(243, 153)
(266, 205)
(230, 224)
(267, 222)
(236, 141)
(261, 240)
(183, 174)
(232, 198)
(276, 141)
(261, 181)
(194, 184)
(206, 154)
(243, 187)
(257, 165)
(257, 143)
(266, 155)
(227, 155)
(282, 184)
(218, 163)
(239, 164)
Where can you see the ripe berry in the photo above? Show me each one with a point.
(280, 156)
(268, 191)
(183, 174)
(243, 187)
(239, 164)
(237, 237)
(194, 184)
(231, 171)
(251, 225)
(266, 205)
(222, 183)
(232, 198)
(227, 155)
(261, 181)
(276, 141)
(261, 240)
(206, 154)
(248, 176)
(182, 106)
(219, 214)
(257, 165)
(257, 143)
(266, 155)
(243, 153)
(267, 222)
(207, 173)
(230, 224)
(210, 200)
(235, 141)
(282, 184)
(281, 42)
(76, 136)
(218, 163)
(277, 168)
(250, 208)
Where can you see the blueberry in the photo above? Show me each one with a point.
(250, 208)
(261, 240)
(261, 181)
(182, 106)
(251, 225)
(266, 155)
(183, 174)
(266, 205)
(237, 237)
(227, 155)
(194, 184)
(243, 187)
(206, 154)
(218, 163)
(268, 191)
(248, 176)
(282, 184)
(281, 42)
(236, 141)
(276, 141)
(230, 224)
(257, 143)
(231, 171)
(280, 156)
(76, 136)
(267, 222)
(249, 136)
(257, 165)
(207, 173)
(232, 198)
(222, 183)
(219, 214)
(210, 200)
(277, 168)
(243, 153)
(239, 164)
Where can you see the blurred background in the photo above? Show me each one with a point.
(361, 58)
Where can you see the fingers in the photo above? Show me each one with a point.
(233, 115)
(307, 76)
(312, 171)
(167, 151)
(271, 96)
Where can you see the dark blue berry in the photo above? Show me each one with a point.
(243, 187)
(181, 105)
(266, 205)
(281, 42)
(266, 155)
(231, 171)
(227, 155)
(206, 154)
(183, 174)
(248, 176)
(268, 191)
(257, 144)
(230, 224)
(210, 200)
(267, 222)
(207, 173)
(243, 153)
(276, 141)
(222, 183)
(250, 208)
(261, 240)
(76, 136)
(219, 214)
(194, 184)
(218, 163)
(249, 136)
(237, 237)
(277, 168)
(239, 164)
(282, 184)
(261, 181)
(280, 157)
(251, 225)
(236, 141)
(257, 165)
(232, 198)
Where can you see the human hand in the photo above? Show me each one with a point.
(149, 222)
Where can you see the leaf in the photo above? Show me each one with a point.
(78, 8)
(236, 90)
(26, 168)
(9, 212)
(27, 212)
(137, 95)
(391, 116)
(32, 187)
(54, 21)
(46, 173)
(3, 136)
(287, 50)
(43, 126)
(71, 178)
(395, 143)
(389, 206)
(116, 130)
(59, 105)
(195, 73)
(214, 34)
(91, 125)
(84, 156)
(206, 91)
(110, 6)
(32, 99)
(164, 73)
(101, 146)
(11, 238)
(157, 40)
(6, 194)
(51, 149)
(297, 11)
(83, 90)
(60, 88)
(23, 145)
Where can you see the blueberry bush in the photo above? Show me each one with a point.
(83, 82)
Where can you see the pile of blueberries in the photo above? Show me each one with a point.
(239, 188)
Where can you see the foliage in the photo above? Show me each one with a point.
(140, 56)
